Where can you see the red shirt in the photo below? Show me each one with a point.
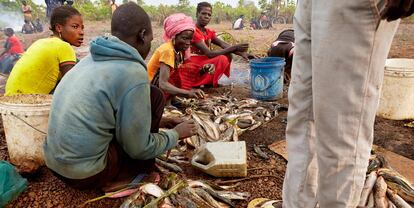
(15, 45)
(201, 36)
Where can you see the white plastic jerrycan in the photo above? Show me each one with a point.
(222, 159)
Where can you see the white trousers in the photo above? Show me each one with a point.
(338, 66)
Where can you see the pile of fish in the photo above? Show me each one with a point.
(223, 118)
(385, 187)
(174, 192)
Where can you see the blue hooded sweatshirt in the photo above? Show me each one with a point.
(105, 96)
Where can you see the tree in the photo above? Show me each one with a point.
(241, 3)
(263, 4)
(184, 7)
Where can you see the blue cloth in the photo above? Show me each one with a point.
(105, 96)
(11, 183)
(7, 62)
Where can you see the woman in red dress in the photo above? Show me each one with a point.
(201, 53)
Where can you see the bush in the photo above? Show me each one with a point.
(288, 12)
(94, 11)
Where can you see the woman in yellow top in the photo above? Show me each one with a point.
(167, 68)
(47, 60)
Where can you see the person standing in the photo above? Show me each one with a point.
(27, 12)
(51, 5)
(338, 66)
(113, 6)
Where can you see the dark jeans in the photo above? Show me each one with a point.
(118, 162)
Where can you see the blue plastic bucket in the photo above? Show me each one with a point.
(266, 78)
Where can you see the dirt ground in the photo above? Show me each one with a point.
(45, 190)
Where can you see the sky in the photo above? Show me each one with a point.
(157, 2)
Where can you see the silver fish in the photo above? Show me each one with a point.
(169, 166)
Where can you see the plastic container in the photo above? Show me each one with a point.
(25, 127)
(222, 159)
(266, 78)
(397, 95)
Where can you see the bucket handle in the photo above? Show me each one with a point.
(268, 85)
(28, 124)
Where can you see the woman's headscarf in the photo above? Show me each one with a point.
(175, 24)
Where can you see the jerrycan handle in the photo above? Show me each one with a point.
(202, 159)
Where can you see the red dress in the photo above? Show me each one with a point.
(15, 45)
(188, 73)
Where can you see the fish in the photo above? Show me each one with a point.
(152, 189)
(228, 134)
(223, 127)
(380, 189)
(190, 193)
(232, 195)
(183, 202)
(255, 126)
(244, 124)
(217, 196)
(205, 126)
(169, 166)
(207, 197)
(206, 184)
(398, 183)
(174, 159)
(213, 127)
(260, 153)
(134, 200)
(368, 185)
(218, 120)
(397, 200)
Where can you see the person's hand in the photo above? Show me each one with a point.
(241, 47)
(196, 93)
(395, 9)
(186, 129)
(245, 56)
(208, 68)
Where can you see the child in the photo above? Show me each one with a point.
(47, 60)
(12, 52)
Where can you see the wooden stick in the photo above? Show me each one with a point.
(244, 179)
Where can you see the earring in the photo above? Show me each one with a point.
(60, 35)
(173, 41)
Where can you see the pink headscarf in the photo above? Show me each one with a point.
(175, 24)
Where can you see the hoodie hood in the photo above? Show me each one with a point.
(108, 47)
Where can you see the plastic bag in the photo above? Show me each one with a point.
(11, 183)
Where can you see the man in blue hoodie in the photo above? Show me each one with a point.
(103, 123)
